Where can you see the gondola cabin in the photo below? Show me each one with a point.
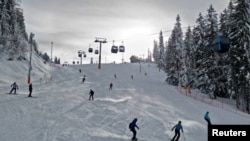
(84, 55)
(114, 49)
(90, 50)
(221, 44)
(121, 48)
(96, 52)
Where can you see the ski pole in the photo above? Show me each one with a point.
(183, 136)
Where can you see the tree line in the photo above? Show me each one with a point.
(13, 36)
(188, 60)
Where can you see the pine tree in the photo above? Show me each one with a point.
(188, 56)
(12, 30)
(206, 32)
(156, 52)
(161, 63)
(239, 35)
(174, 56)
(199, 53)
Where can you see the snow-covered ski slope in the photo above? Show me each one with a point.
(61, 110)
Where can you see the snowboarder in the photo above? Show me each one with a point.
(91, 94)
(177, 128)
(110, 86)
(132, 126)
(14, 88)
(207, 118)
(30, 89)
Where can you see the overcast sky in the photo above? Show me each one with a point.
(73, 25)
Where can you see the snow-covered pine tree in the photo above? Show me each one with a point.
(12, 30)
(225, 87)
(199, 53)
(156, 52)
(207, 62)
(161, 63)
(188, 57)
(174, 57)
(239, 35)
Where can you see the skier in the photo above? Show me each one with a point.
(114, 75)
(83, 79)
(14, 87)
(177, 128)
(207, 118)
(91, 94)
(132, 76)
(110, 86)
(132, 126)
(30, 89)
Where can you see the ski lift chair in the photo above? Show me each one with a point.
(90, 50)
(121, 48)
(96, 52)
(114, 49)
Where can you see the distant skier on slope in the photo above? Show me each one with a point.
(110, 86)
(83, 79)
(207, 118)
(91, 94)
(14, 88)
(132, 126)
(30, 90)
(177, 128)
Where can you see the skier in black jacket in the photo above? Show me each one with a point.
(30, 89)
(91, 94)
(132, 126)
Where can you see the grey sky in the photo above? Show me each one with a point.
(73, 25)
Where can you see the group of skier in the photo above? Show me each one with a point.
(177, 128)
(14, 88)
(132, 126)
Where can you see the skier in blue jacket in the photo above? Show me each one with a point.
(177, 128)
(132, 126)
(207, 118)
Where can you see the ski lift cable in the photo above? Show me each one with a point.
(151, 34)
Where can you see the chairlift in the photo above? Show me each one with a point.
(221, 44)
(114, 49)
(96, 52)
(121, 48)
(90, 49)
